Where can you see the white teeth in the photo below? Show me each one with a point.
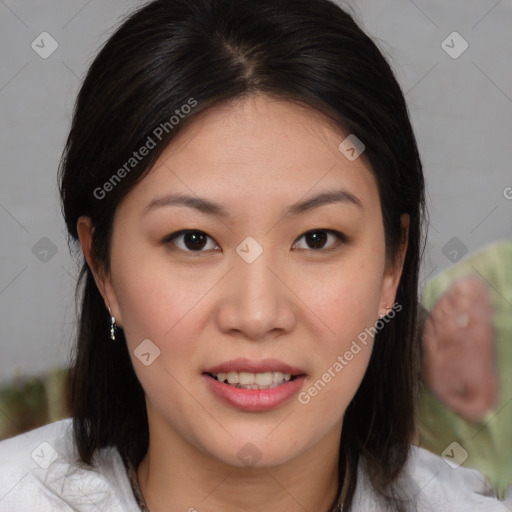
(233, 377)
(245, 379)
(277, 376)
(248, 380)
(263, 379)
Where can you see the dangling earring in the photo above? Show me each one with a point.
(113, 326)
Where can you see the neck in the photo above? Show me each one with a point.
(177, 476)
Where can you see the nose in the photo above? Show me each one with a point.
(256, 302)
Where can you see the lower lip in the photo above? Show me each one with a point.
(254, 400)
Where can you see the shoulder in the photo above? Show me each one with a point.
(430, 484)
(40, 470)
(445, 484)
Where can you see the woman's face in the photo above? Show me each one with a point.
(249, 294)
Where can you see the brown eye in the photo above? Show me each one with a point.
(317, 239)
(190, 240)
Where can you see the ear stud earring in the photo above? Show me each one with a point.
(382, 315)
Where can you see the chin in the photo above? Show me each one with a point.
(256, 451)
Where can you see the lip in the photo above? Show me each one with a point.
(251, 366)
(254, 400)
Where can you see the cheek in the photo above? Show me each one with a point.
(154, 295)
(346, 297)
(165, 310)
(160, 303)
(347, 308)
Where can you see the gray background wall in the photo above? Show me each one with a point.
(461, 110)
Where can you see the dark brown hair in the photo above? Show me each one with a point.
(308, 51)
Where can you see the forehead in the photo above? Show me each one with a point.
(257, 151)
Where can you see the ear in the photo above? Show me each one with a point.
(393, 271)
(85, 231)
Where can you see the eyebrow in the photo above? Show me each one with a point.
(210, 208)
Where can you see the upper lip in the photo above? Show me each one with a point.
(252, 366)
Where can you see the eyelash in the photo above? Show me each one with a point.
(341, 238)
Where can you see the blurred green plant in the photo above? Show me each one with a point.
(29, 402)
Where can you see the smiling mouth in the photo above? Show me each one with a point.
(248, 380)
